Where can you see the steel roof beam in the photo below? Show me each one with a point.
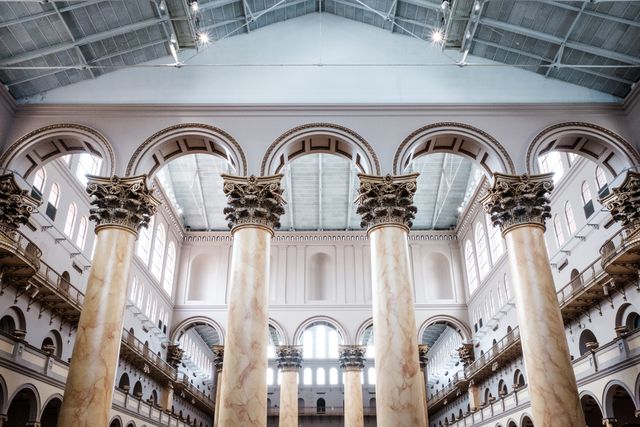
(216, 4)
(391, 16)
(593, 13)
(73, 39)
(34, 54)
(223, 23)
(40, 15)
(557, 58)
(615, 56)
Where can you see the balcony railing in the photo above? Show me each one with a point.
(18, 243)
(206, 402)
(508, 342)
(58, 294)
(144, 354)
(620, 252)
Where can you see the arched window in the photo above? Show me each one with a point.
(158, 252)
(484, 264)
(71, 219)
(39, 179)
(586, 193)
(557, 227)
(134, 289)
(371, 376)
(320, 341)
(552, 162)
(571, 222)
(54, 195)
(169, 268)
(307, 376)
(470, 261)
(333, 376)
(601, 178)
(144, 242)
(88, 164)
(320, 376)
(495, 241)
(82, 232)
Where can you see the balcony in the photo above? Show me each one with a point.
(502, 352)
(57, 294)
(139, 355)
(621, 254)
(186, 390)
(583, 291)
(19, 258)
(457, 387)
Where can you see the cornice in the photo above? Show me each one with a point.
(7, 101)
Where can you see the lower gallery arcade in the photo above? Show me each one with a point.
(522, 310)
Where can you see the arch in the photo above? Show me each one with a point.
(611, 391)
(16, 314)
(116, 421)
(455, 138)
(361, 331)
(519, 379)
(586, 341)
(297, 336)
(598, 144)
(327, 138)
(24, 405)
(321, 406)
(181, 327)
(511, 423)
(50, 411)
(525, 421)
(137, 390)
(458, 325)
(131, 424)
(591, 409)
(52, 342)
(33, 150)
(627, 315)
(280, 330)
(123, 382)
(181, 139)
(3, 396)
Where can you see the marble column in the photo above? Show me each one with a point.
(255, 206)
(386, 206)
(289, 360)
(423, 349)
(352, 361)
(120, 207)
(519, 205)
(218, 359)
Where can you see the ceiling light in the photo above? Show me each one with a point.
(437, 36)
(162, 6)
(476, 6)
(203, 38)
(194, 6)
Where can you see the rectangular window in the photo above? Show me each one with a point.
(51, 211)
(588, 209)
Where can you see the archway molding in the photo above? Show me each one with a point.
(321, 319)
(4, 402)
(604, 147)
(18, 317)
(116, 418)
(460, 327)
(607, 397)
(281, 331)
(181, 327)
(34, 412)
(523, 417)
(54, 396)
(33, 150)
(320, 138)
(362, 329)
(186, 138)
(590, 394)
(454, 138)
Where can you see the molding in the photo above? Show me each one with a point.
(7, 101)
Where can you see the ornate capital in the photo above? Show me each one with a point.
(289, 357)
(253, 200)
(174, 355)
(423, 349)
(121, 202)
(352, 357)
(519, 199)
(386, 199)
(218, 356)
(624, 202)
(16, 205)
(466, 354)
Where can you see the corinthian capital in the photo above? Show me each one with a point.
(121, 202)
(423, 349)
(218, 356)
(352, 357)
(519, 199)
(386, 199)
(253, 200)
(624, 202)
(289, 357)
(16, 205)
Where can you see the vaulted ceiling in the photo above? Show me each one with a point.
(45, 45)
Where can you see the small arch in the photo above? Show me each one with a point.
(512, 423)
(116, 421)
(3, 396)
(320, 138)
(282, 333)
(458, 325)
(628, 316)
(591, 409)
(131, 424)
(519, 379)
(24, 405)
(123, 383)
(52, 343)
(617, 401)
(526, 421)
(185, 138)
(16, 314)
(137, 390)
(33, 150)
(576, 280)
(182, 327)
(51, 411)
(594, 142)
(364, 328)
(321, 406)
(455, 138)
(587, 341)
(297, 336)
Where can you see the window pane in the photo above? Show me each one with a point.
(470, 259)
(169, 269)
(82, 232)
(307, 377)
(481, 246)
(571, 222)
(320, 376)
(333, 376)
(371, 375)
(307, 344)
(71, 220)
(144, 242)
(557, 226)
(158, 252)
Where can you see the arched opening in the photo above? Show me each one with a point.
(592, 412)
(13, 320)
(321, 406)
(137, 390)
(512, 424)
(23, 408)
(115, 423)
(633, 321)
(320, 277)
(7, 324)
(444, 364)
(300, 405)
(436, 272)
(52, 343)
(587, 342)
(123, 383)
(197, 337)
(372, 403)
(49, 417)
(619, 405)
(576, 280)
(320, 340)
(526, 422)
(518, 379)
(488, 398)
(503, 390)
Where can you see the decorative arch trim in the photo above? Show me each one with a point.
(49, 399)
(361, 151)
(607, 397)
(180, 327)
(216, 141)
(281, 331)
(4, 404)
(468, 141)
(35, 412)
(616, 154)
(32, 160)
(586, 393)
(361, 330)
(116, 417)
(321, 319)
(461, 327)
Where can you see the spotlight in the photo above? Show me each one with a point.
(194, 6)
(437, 36)
(476, 6)
(203, 38)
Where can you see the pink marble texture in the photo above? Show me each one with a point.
(399, 398)
(550, 376)
(243, 390)
(91, 379)
(289, 399)
(353, 407)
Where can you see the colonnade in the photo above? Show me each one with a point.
(519, 205)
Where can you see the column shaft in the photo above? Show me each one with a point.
(216, 416)
(167, 397)
(353, 406)
(243, 391)
(551, 380)
(91, 378)
(288, 416)
(398, 383)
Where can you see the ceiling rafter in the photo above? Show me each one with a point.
(40, 15)
(588, 12)
(81, 55)
(557, 58)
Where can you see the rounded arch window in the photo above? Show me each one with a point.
(158, 252)
(633, 321)
(587, 341)
(39, 180)
(320, 341)
(470, 263)
(568, 214)
(559, 232)
(484, 265)
(518, 379)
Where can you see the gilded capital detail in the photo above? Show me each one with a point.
(386, 200)
(519, 200)
(624, 202)
(289, 357)
(253, 200)
(352, 357)
(16, 206)
(218, 356)
(121, 202)
(423, 349)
